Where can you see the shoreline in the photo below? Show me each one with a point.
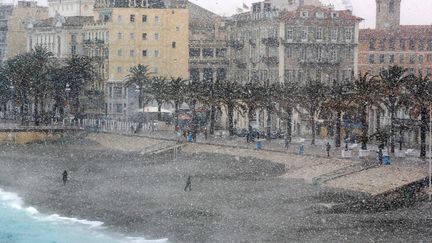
(232, 199)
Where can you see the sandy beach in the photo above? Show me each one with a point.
(233, 199)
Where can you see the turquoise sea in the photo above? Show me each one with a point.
(21, 224)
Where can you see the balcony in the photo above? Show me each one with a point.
(236, 44)
(270, 61)
(321, 62)
(240, 64)
(270, 42)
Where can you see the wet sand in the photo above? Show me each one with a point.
(232, 199)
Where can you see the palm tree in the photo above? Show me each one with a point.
(392, 84)
(160, 91)
(40, 85)
(141, 77)
(313, 95)
(338, 100)
(287, 97)
(228, 93)
(252, 95)
(419, 97)
(58, 92)
(177, 94)
(80, 72)
(365, 91)
(5, 89)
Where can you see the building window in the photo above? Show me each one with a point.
(119, 19)
(132, 36)
(319, 33)
(430, 45)
(73, 49)
(428, 71)
(382, 44)
(334, 34)
(392, 58)
(372, 45)
(119, 70)
(157, 36)
(220, 52)
(119, 108)
(289, 35)
(412, 44)
(304, 14)
(119, 52)
(391, 6)
(157, 19)
(289, 51)
(119, 36)
(194, 52)
(156, 53)
(132, 18)
(348, 34)
(304, 34)
(392, 44)
(132, 53)
(73, 38)
(144, 36)
(402, 44)
(267, 7)
(371, 58)
(208, 52)
(421, 45)
(144, 19)
(412, 59)
(382, 58)
(401, 59)
(177, 28)
(429, 58)
(173, 44)
(144, 53)
(421, 59)
(156, 70)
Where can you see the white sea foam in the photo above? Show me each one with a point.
(12, 200)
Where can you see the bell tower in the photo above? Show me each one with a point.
(387, 14)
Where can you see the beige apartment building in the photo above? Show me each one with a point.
(13, 21)
(126, 34)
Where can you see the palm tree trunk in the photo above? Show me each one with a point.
(250, 117)
(288, 128)
(176, 112)
(365, 127)
(338, 129)
(313, 129)
(269, 123)
(159, 111)
(231, 119)
(212, 119)
(423, 129)
(392, 128)
(36, 111)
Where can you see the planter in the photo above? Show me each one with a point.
(346, 153)
(364, 153)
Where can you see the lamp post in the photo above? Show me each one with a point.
(430, 151)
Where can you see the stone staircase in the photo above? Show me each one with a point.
(319, 180)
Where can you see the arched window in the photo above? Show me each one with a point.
(391, 6)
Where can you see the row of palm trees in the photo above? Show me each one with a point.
(392, 89)
(38, 79)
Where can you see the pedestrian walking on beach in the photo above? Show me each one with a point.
(188, 184)
(328, 147)
(65, 177)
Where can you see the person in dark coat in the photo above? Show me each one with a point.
(328, 147)
(65, 177)
(188, 184)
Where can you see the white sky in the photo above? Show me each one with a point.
(413, 11)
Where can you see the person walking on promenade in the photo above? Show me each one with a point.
(188, 184)
(328, 147)
(65, 177)
(286, 141)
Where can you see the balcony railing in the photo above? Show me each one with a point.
(270, 61)
(236, 44)
(271, 41)
(322, 61)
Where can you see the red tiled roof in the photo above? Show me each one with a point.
(404, 31)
